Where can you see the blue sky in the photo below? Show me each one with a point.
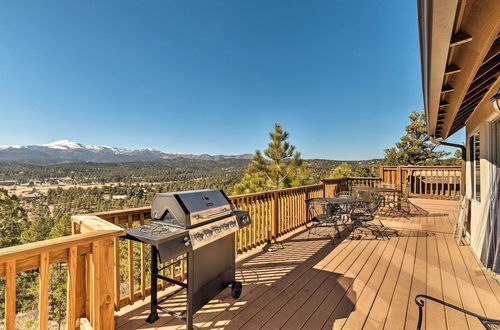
(210, 76)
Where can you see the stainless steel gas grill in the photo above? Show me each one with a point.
(200, 224)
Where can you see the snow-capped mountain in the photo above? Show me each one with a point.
(69, 151)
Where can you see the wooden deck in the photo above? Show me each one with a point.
(363, 281)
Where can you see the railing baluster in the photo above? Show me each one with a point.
(117, 269)
(262, 210)
(10, 295)
(245, 230)
(275, 216)
(294, 209)
(143, 261)
(253, 212)
(268, 220)
(72, 287)
(94, 287)
(451, 184)
(43, 292)
(131, 289)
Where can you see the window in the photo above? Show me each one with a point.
(475, 158)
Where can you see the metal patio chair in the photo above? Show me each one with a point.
(324, 214)
(345, 208)
(363, 195)
(363, 213)
(400, 205)
(486, 322)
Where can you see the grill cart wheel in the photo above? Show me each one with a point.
(236, 288)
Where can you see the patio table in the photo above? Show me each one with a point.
(333, 200)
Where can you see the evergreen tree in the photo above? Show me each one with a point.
(13, 219)
(415, 147)
(343, 170)
(282, 168)
(367, 171)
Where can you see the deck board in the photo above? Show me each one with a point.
(360, 282)
(434, 285)
(396, 317)
(419, 281)
(380, 307)
(454, 319)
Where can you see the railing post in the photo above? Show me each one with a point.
(78, 295)
(102, 286)
(324, 188)
(275, 215)
(399, 178)
(97, 299)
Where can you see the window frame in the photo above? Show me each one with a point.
(475, 165)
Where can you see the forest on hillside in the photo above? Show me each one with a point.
(174, 170)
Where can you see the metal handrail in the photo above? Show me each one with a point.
(419, 300)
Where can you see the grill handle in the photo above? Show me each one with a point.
(213, 214)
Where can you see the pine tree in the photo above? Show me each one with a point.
(415, 147)
(13, 219)
(343, 170)
(282, 168)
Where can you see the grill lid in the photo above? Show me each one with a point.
(189, 208)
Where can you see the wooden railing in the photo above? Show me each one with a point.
(88, 259)
(273, 214)
(440, 182)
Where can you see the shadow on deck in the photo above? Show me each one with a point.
(362, 281)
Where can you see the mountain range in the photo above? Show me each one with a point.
(65, 151)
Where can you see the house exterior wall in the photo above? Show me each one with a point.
(480, 121)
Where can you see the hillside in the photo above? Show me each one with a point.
(173, 170)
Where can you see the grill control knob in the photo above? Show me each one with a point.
(199, 236)
(232, 224)
(187, 242)
(245, 219)
(208, 232)
(225, 226)
(217, 229)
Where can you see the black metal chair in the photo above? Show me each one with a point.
(399, 205)
(324, 214)
(345, 209)
(364, 212)
(486, 322)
